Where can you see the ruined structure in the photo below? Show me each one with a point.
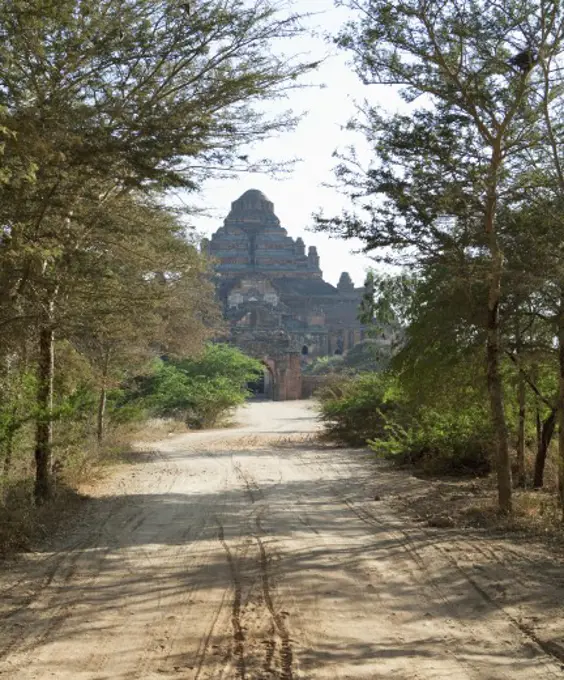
(274, 296)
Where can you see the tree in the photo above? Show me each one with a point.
(202, 389)
(148, 293)
(102, 99)
(443, 169)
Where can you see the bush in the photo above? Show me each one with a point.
(367, 356)
(355, 410)
(326, 365)
(199, 391)
(451, 437)
(445, 442)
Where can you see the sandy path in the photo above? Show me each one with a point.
(253, 553)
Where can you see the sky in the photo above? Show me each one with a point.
(302, 192)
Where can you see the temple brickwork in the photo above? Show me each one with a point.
(269, 286)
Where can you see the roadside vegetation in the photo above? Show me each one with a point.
(107, 111)
(201, 391)
(463, 200)
(164, 395)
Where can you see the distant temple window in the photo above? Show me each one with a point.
(305, 350)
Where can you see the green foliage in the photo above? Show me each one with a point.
(441, 435)
(123, 410)
(326, 365)
(372, 354)
(105, 107)
(440, 441)
(386, 301)
(361, 408)
(458, 182)
(368, 355)
(17, 409)
(220, 360)
(203, 390)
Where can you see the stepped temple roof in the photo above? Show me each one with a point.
(269, 282)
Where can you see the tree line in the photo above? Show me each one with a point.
(464, 193)
(106, 108)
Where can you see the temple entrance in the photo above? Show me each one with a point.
(263, 386)
(256, 387)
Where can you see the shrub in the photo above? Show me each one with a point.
(448, 437)
(367, 356)
(357, 409)
(200, 391)
(325, 365)
(440, 442)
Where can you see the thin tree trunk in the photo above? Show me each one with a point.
(44, 426)
(521, 480)
(561, 404)
(493, 349)
(101, 415)
(538, 427)
(545, 432)
(100, 425)
(495, 389)
(8, 450)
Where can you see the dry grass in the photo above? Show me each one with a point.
(77, 468)
(22, 524)
(454, 502)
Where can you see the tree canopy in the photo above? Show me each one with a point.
(459, 173)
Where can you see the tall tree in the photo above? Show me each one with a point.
(475, 63)
(105, 98)
(144, 291)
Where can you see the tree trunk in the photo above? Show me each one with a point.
(493, 349)
(100, 425)
(101, 415)
(44, 426)
(544, 437)
(538, 427)
(561, 404)
(495, 389)
(8, 450)
(521, 480)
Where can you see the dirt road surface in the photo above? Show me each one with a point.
(257, 553)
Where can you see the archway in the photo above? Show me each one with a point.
(263, 386)
(285, 373)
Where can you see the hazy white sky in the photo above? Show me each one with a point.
(298, 195)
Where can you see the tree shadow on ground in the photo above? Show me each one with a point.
(320, 536)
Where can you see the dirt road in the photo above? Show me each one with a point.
(256, 553)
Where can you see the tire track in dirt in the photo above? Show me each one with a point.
(252, 489)
(55, 590)
(58, 578)
(203, 647)
(238, 634)
(163, 635)
(551, 650)
(406, 543)
(286, 652)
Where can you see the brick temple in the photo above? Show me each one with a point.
(273, 292)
